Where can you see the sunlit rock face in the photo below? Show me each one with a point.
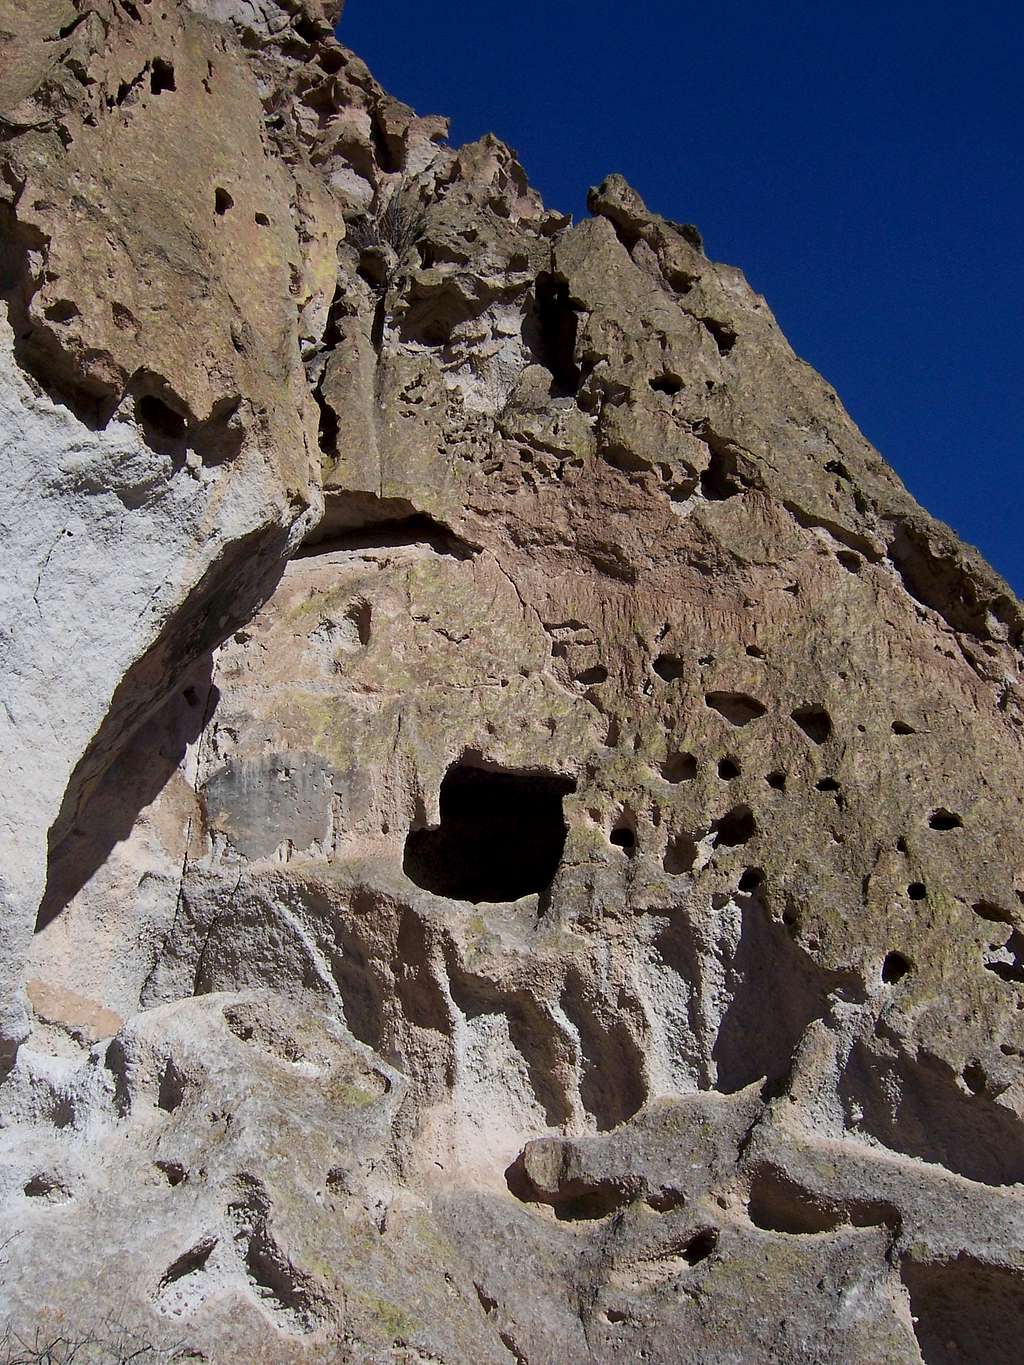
(510, 839)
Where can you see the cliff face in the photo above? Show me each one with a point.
(511, 821)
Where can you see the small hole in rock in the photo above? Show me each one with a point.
(777, 781)
(725, 337)
(699, 1248)
(159, 418)
(667, 383)
(815, 722)
(728, 768)
(943, 819)
(901, 844)
(46, 1185)
(590, 677)
(262, 220)
(222, 201)
(161, 76)
(171, 1092)
(827, 784)
(917, 891)
(680, 855)
(992, 912)
(974, 1078)
(754, 652)
(849, 560)
(894, 968)
(736, 827)
(173, 1171)
(900, 727)
(62, 311)
(679, 768)
(624, 837)
(751, 879)
(668, 667)
(737, 707)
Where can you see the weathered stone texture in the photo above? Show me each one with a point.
(510, 840)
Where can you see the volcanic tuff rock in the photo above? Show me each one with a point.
(511, 810)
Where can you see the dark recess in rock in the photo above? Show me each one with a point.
(501, 835)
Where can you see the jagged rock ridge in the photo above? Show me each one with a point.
(511, 822)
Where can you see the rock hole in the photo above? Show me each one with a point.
(190, 1263)
(917, 891)
(172, 1171)
(63, 311)
(666, 1199)
(623, 835)
(815, 722)
(681, 281)
(669, 667)
(667, 383)
(591, 677)
(724, 336)
(718, 481)
(849, 560)
(943, 819)
(974, 1078)
(776, 780)
(261, 220)
(778, 1204)
(966, 1311)
(752, 878)
(900, 727)
(172, 1089)
(990, 911)
(222, 201)
(755, 652)
(736, 827)
(158, 419)
(558, 323)
(360, 615)
(737, 707)
(894, 968)
(46, 1185)
(161, 76)
(679, 767)
(700, 1247)
(728, 769)
(501, 835)
(680, 854)
(827, 784)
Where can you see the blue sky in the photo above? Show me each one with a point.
(861, 162)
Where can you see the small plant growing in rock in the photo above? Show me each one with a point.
(385, 237)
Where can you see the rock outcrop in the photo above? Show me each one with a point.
(511, 820)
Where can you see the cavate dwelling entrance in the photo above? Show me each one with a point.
(501, 835)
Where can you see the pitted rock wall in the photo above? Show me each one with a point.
(512, 819)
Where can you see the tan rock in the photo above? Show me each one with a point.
(535, 798)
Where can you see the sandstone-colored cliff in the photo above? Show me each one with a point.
(511, 820)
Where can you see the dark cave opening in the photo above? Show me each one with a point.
(501, 835)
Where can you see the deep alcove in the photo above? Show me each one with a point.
(501, 835)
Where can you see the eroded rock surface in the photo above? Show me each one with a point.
(512, 812)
